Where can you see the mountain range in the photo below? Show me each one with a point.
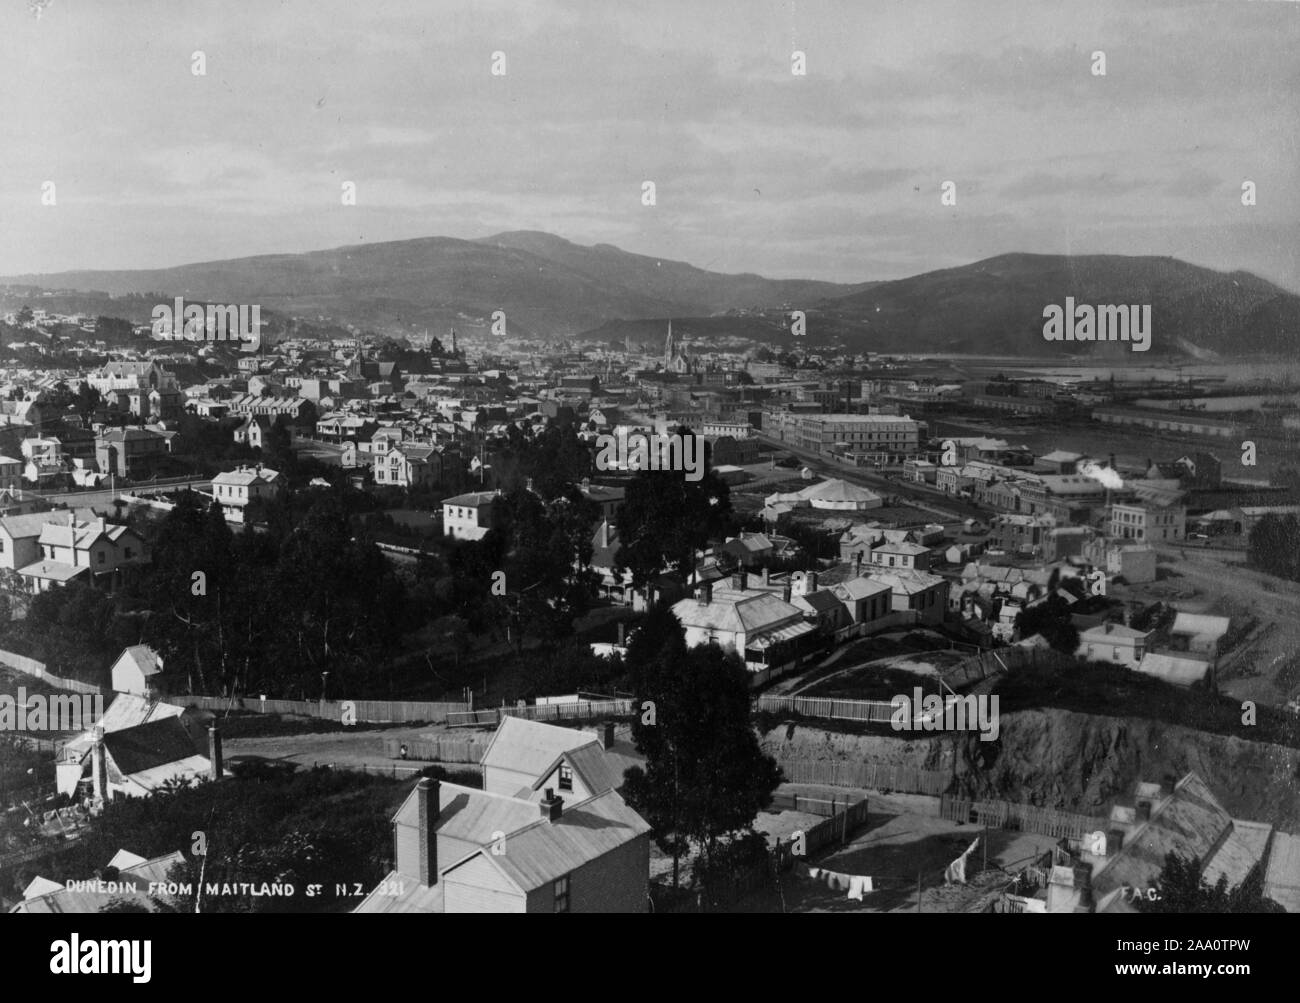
(552, 287)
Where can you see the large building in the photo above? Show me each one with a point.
(859, 433)
(1164, 421)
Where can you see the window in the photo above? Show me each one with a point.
(101, 557)
(129, 553)
(561, 891)
(566, 777)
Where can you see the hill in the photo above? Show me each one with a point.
(545, 284)
(996, 306)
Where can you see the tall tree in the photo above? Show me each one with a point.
(705, 778)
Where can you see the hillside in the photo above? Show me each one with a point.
(996, 306)
(553, 287)
(545, 284)
(1078, 762)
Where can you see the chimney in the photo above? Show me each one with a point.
(1112, 461)
(551, 806)
(604, 535)
(622, 632)
(765, 576)
(857, 562)
(428, 810)
(811, 578)
(607, 735)
(785, 593)
(214, 752)
(704, 594)
(738, 580)
(99, 764)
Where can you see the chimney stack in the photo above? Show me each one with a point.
(857, 562)
(704, 594)
(604, 535)
(551, 806)
(428, 811)
(622, 633)
(786, 592)
(738, 580)
(214, 753)
(766, 575)
(607, 735)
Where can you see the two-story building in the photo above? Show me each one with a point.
(93, 551)
(235, 490)
(129, 452)
(548, 833)
(468, 516)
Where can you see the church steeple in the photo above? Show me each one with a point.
(669, 347)
(453, 343)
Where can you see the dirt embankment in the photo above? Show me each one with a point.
(1077, 762)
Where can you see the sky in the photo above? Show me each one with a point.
(835, 174)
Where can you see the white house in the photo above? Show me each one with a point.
(468, 516)
(235, 490)
(135, 668)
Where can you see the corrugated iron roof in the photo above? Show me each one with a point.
(548, 850)
(524, 746)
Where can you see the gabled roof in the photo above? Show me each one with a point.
(1200, 625)
(524, 746)
(734, 611)
(142, 657)
(588, 762)
(545, 850)
(155, 743)
(132, 885)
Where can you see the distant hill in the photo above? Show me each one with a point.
(996, 306)
(550, 286)
(545, 284)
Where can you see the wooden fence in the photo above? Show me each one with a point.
(1019, 817)
(725, 891)
(591, 710)
(865, 776)
(879, 711)
(440, 750)
(37, 669)
(368, 711)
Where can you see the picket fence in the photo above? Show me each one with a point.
(878, 711)
(591, 710)
(865, 776)
(367, 711)
(439, 750)
(32, 667)
(1020, 817)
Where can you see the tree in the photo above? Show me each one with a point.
(25, 315)
(1182, 888)
(1274, 546)
(705, 776)
(1051, 618)
(665, 519)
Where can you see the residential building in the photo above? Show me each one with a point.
(1115, 643)
(904, 555)
(135, 669)
(919, 592)
(766, 630)
(468, 516)
(129, 452)
(235, 490)
(94, 551)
